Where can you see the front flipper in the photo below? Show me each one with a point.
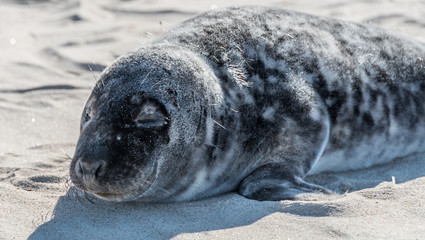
(274, 182)
(289, 144)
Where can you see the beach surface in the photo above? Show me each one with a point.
(52, 52)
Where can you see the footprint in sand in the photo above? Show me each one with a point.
(48, 174)
(7, 173)
(27, 179)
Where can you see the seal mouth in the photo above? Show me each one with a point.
(124, 196)
(132, 194)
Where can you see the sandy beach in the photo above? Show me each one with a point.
(53, 51)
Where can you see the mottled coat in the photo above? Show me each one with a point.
(250, 98)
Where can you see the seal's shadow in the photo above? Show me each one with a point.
(78, 218)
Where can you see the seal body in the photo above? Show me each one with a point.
(250, 99)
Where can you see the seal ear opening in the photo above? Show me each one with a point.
(151, 115)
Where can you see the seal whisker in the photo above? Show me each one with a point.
(94, 77)
(66, 155)
(99, 69)
(160, 188)
(147, 75)
(157, 83)
(216, 104)
(89, 197)
(219, 124)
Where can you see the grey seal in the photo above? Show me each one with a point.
(250, 99)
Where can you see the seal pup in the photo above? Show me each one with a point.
(250, 99)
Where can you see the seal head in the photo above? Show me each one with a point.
(133, 127)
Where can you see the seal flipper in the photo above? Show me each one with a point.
(274, 182)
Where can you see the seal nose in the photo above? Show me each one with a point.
(89, 171)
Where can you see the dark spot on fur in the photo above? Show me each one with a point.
(367, 121)
(173, 97)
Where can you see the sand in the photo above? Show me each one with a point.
(51, 53)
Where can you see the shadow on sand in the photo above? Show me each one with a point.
(79, 218)
(75, 217)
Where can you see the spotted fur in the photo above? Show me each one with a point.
(250, 99)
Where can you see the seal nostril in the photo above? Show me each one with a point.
(100, 171)
(85, 169)
(78, 169)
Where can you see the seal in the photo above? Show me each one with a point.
(250, 99)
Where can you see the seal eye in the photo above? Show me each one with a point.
(151, 116)
(86, 117)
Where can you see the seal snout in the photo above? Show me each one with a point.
(90, 172)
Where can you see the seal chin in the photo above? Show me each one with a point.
(125, 196)
(122, 197)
